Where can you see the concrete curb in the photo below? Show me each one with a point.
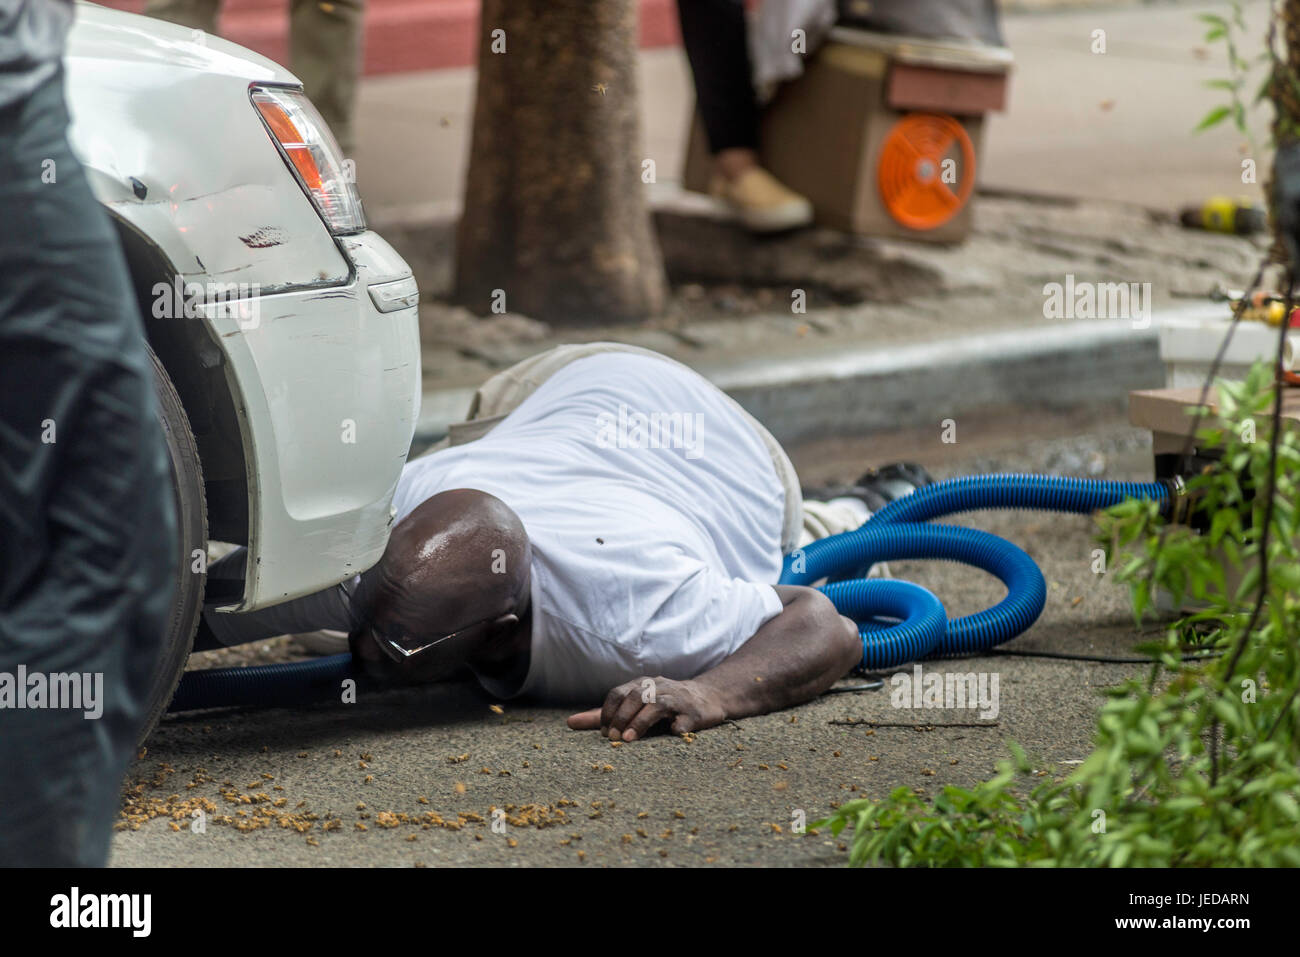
(868, 389)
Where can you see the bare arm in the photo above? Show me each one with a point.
(793, 658)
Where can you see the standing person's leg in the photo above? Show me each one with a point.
(325, 52)
(87, 521)
(324, 49)
(714, 34)
(195, 14)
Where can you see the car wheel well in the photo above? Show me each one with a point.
(197, 367)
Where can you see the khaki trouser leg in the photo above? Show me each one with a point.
(196, 14)
(325, 52)
(824, 519)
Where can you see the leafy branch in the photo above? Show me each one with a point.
(1157, 790)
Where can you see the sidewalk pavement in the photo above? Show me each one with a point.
(1083, 176)
(1116, 125)
(960, 330)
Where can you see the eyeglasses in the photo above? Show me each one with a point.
(398, 647)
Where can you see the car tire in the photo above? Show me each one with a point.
(191, 534)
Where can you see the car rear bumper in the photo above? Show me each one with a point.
(328, 392)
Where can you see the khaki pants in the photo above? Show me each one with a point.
(498, 396)
(324, 50)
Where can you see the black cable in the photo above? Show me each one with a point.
(1068, 656)
(873, 684)
(1103, 659)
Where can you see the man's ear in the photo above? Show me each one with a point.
(505, 621)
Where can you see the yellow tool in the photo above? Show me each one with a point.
(1222, 214)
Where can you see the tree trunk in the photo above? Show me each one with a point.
(555, 222)
(1286, 114)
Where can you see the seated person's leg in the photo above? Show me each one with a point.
(713, 32)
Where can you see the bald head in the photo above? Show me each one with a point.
(458, 562)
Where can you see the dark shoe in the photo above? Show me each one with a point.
(876, 488)
(895, 480)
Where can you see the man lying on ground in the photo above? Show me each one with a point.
(610, 529)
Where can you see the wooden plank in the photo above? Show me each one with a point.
(1167, 411)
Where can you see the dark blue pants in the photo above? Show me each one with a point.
(87, 523)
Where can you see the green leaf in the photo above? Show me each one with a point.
(1213, 118)
(1287, 805)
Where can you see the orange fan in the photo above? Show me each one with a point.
(926, 170)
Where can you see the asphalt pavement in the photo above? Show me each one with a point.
(412, 777)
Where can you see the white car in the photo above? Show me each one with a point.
(285, 331)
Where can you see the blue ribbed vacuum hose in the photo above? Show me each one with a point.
(899, 622)
(923, 633)
(263, 686)
(1049, 492)
(898, 531)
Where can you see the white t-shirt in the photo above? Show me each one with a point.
(654, 513)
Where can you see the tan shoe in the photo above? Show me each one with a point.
(761, 202)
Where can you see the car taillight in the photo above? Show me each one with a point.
(313, 155)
